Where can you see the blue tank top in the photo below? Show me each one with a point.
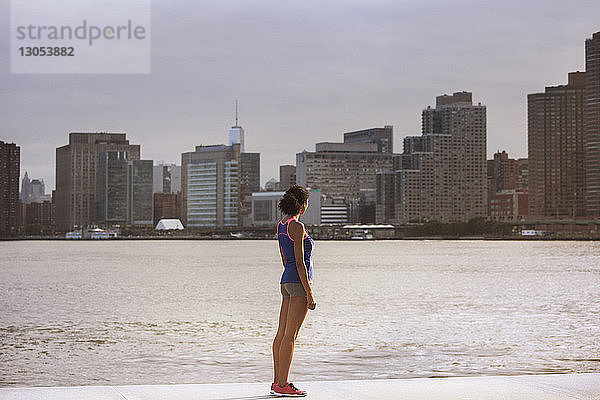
(290, 273)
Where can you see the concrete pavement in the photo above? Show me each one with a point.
(521, 387)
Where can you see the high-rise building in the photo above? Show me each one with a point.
(556, 147)
(33, 190)
(217, 184)
(166, 178)
(139, 183)
(502, 172)
(287, 176)
(249, 172)
(76, 171)
(10, 169)
(523, 177)
(111, 193)
(236, 133)
(124, 190)
(507, 188)
(592, 124)
(38, 191)
(441, 175)
(341, 170)
(25, 194)
(383, 137)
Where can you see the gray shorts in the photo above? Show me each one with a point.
(292, 289)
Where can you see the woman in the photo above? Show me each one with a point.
(296, 249)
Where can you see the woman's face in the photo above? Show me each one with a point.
(304, 207)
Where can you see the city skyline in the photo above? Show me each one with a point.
(302, 75)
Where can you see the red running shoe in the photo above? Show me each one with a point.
(288, 390)
(273, 387)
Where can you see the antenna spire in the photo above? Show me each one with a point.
(236, 112)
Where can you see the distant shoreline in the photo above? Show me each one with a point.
(482, 238)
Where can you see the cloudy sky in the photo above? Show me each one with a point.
(304, 72)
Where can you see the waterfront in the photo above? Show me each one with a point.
(156, 312)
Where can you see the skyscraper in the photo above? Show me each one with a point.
(124, 190)
(592, 124)
(341, 170)
(25, 194)
(167, 178)
(556, 148)
(383, 137)
(76, 171)
(287, 176)
(236, 133)
(111, 192)
(139, 184)
(33, 190)
(10, 168)
(441, 174)
(214, 182)
(507, 192)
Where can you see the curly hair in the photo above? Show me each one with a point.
(293, 199)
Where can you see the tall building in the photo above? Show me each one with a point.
(236, 133)
(441, 175)
(10, 169)
(166, 178)
(25, 194)
(38, 191)
(592, 124)
(124, 190)
(502, 172)
(287, 176)
(249, 172)
(341, 170)
(523, 175)
(76, 171)
(556, 150)
(139, 183)
(33, 190)
(383, 137)
(217, 183)
(507, 188)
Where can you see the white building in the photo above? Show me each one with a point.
(264, 208)
(236, 135)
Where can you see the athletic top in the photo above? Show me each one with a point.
(290, 273)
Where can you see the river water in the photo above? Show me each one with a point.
(159, 312)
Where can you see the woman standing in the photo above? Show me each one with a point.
(296, 249)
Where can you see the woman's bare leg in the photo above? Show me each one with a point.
(298, 307)
(280, 331)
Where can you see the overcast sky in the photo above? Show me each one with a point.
(304, 72)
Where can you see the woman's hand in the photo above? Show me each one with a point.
(311, 301)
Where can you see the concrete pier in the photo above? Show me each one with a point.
(521, 387)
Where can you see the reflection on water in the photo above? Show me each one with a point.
(85, 313)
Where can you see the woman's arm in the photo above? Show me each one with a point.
(296, 231)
